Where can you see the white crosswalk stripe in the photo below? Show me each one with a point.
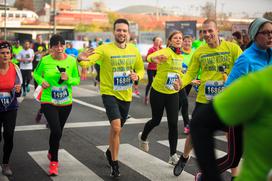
(181, 144)
(70, 169)
(146, 164)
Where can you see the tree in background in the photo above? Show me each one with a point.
(268, 15)
(208, 11)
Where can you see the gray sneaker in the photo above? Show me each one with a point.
(143, 145)
(6, 170)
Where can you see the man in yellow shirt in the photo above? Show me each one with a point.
(216, 59)
(118, 59)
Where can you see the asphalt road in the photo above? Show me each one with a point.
(86, 136)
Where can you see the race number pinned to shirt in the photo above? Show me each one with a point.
(122, 81)
(212, 88)
(5, 98)
(60, 95)
(171, 78)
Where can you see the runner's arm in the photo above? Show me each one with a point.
(192, 72)
(74, 78)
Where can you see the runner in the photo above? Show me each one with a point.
(200, 41)
(16, 49)
(255, 58)
(10, 89)
(56, 73)
(40, 50)
(118, 60)
(187, 53)
(25, 58)
(152, 67)
(246, 102)
(163, 94)
(215, 59)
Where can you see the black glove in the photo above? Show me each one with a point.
(60, 70)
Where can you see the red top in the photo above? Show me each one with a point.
(7, 81)
(152, 65)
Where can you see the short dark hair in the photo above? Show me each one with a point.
(27, 41)
(237, 34)
(5, 44)
(56, 39)
(121, 20)
(210, 21)
(154, 38)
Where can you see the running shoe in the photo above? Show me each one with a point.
(54, 168)
(143, 145)
(24, 93)
(173, 160)
(6, 170)
(115, 169)
(27, 88)
(180, 165)
(108, 156)
(198, 176)
(186, 129)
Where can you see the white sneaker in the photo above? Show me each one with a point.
(143, 145)
(173, 160)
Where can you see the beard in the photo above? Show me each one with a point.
(120, 40)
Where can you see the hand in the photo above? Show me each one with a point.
(45, 85)
(18, 88)
(83, 56)
(133, 76)
(64, 76)
(177, 84)
(84, 74)
(196, 82)
(159, 59)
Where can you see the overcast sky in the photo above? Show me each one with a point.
(251, 7)
(237, 7)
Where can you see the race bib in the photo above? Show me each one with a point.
(38, 57)
(212, 88)
(5, 98)
(122, 81)
(60, 95)
(171, 78)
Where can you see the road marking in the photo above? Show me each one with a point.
(89, 105)
(222, 138)
(146, 164)
(70, 168)
(181, 144)
(83, 92)
(130, 121)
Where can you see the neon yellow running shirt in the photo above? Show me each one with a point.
(168, 71)
(209, 60)
(116, 65)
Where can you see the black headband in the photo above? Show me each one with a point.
(5, 45)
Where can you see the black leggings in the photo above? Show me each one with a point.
(8, 121)
(203, 125)
(158, 102)
(184, 106)
(56, 117)
(150, 75)
(97, 68)
(26, 74)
